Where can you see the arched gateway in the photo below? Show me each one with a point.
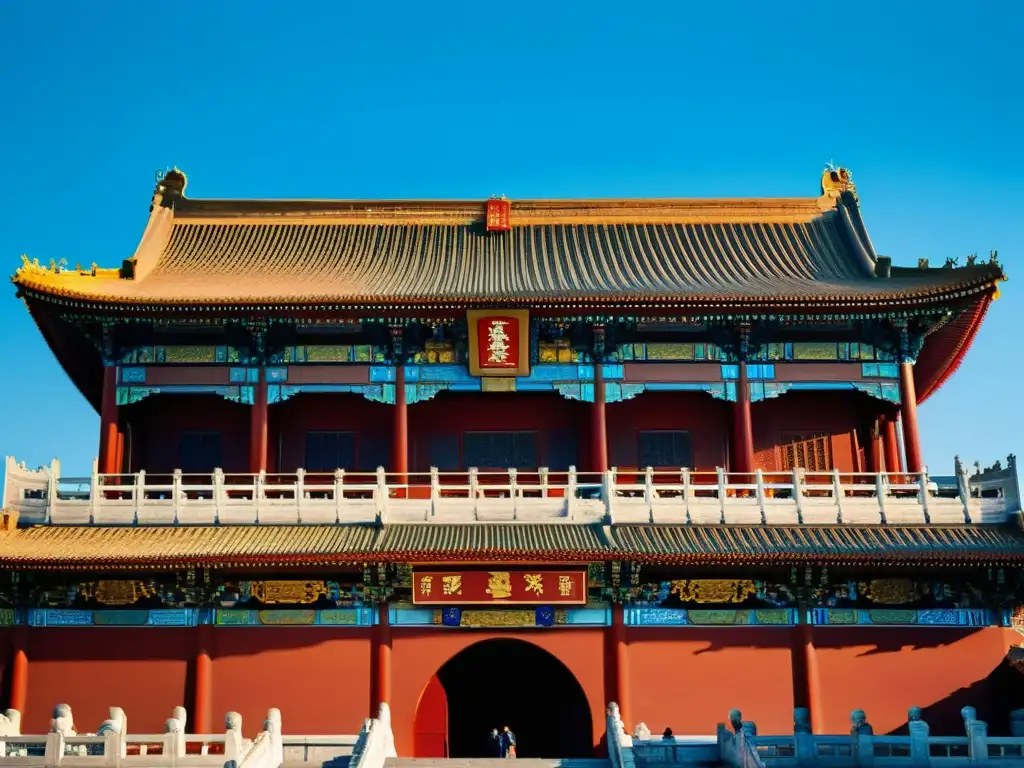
(501, 682)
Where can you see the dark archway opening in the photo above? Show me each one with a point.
(502, 682)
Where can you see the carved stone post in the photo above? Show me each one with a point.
(803, 740)
(918, 730)
(863, 738)
(977, 735)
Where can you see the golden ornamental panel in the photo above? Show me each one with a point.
(713, 590)
(190, 354)
(288, 592)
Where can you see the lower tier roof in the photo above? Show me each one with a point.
(96, 548)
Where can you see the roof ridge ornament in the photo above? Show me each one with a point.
(170, 185)
(835, 181)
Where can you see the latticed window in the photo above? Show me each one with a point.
(812, 452)
(499, 450)
(199, 453)
(328, 451)
(664, 448)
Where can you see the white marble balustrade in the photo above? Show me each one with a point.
(739, 745)
(114, 745)
(43, 496)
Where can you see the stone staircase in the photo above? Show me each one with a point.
(494, 762)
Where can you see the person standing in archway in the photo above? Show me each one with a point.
(509, 740)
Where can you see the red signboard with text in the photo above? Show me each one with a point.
(499, 342)
(524, 587)
(498, 345)
(499, 215)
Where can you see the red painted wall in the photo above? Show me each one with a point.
(689, 678)
(685, 678)
(706, 418)
(319, 677)
(418, 654)
(839, 414)
(456, 412)
(291, 420)
(142, 670)
(159, 421)
(6, 658)
(885, 671)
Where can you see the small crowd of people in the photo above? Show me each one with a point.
(503, 742)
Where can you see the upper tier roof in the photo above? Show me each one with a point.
(699, 253)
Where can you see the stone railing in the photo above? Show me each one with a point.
(620, 744)
(376, 742)
(113, 745)
(740, 746)
(43, 496)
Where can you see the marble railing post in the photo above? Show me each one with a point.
(804, 744)
(863, 738)
(977, 735)
(920, 756)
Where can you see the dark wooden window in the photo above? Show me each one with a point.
(810, 451)
(328, 451)
(443, 451)
(563, 450)
(499, 450)
(664, 448)
(199, 453)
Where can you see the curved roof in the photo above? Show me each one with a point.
(699, 253)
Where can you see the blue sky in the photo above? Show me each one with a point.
(598, 99)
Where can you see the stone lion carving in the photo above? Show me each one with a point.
(859, 725)
(10, 723)
(233, 722)
(63, 721)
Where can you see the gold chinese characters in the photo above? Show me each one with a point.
(534, 583)
(499, 585)
(451, 585)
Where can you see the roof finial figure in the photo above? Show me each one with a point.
(170, 185)
(835, 181)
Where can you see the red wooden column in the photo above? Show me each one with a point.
(19, 670)
(202, 707)
(908, 410)
(877, 450)
(742, 427)
(620, 663)
(108, 423)
(400, 437)
(381, 685)
(812, 677)
(119, 453)
(258, 433)
(599, 423)
(891, 444)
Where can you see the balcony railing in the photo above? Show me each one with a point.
(43, 496)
